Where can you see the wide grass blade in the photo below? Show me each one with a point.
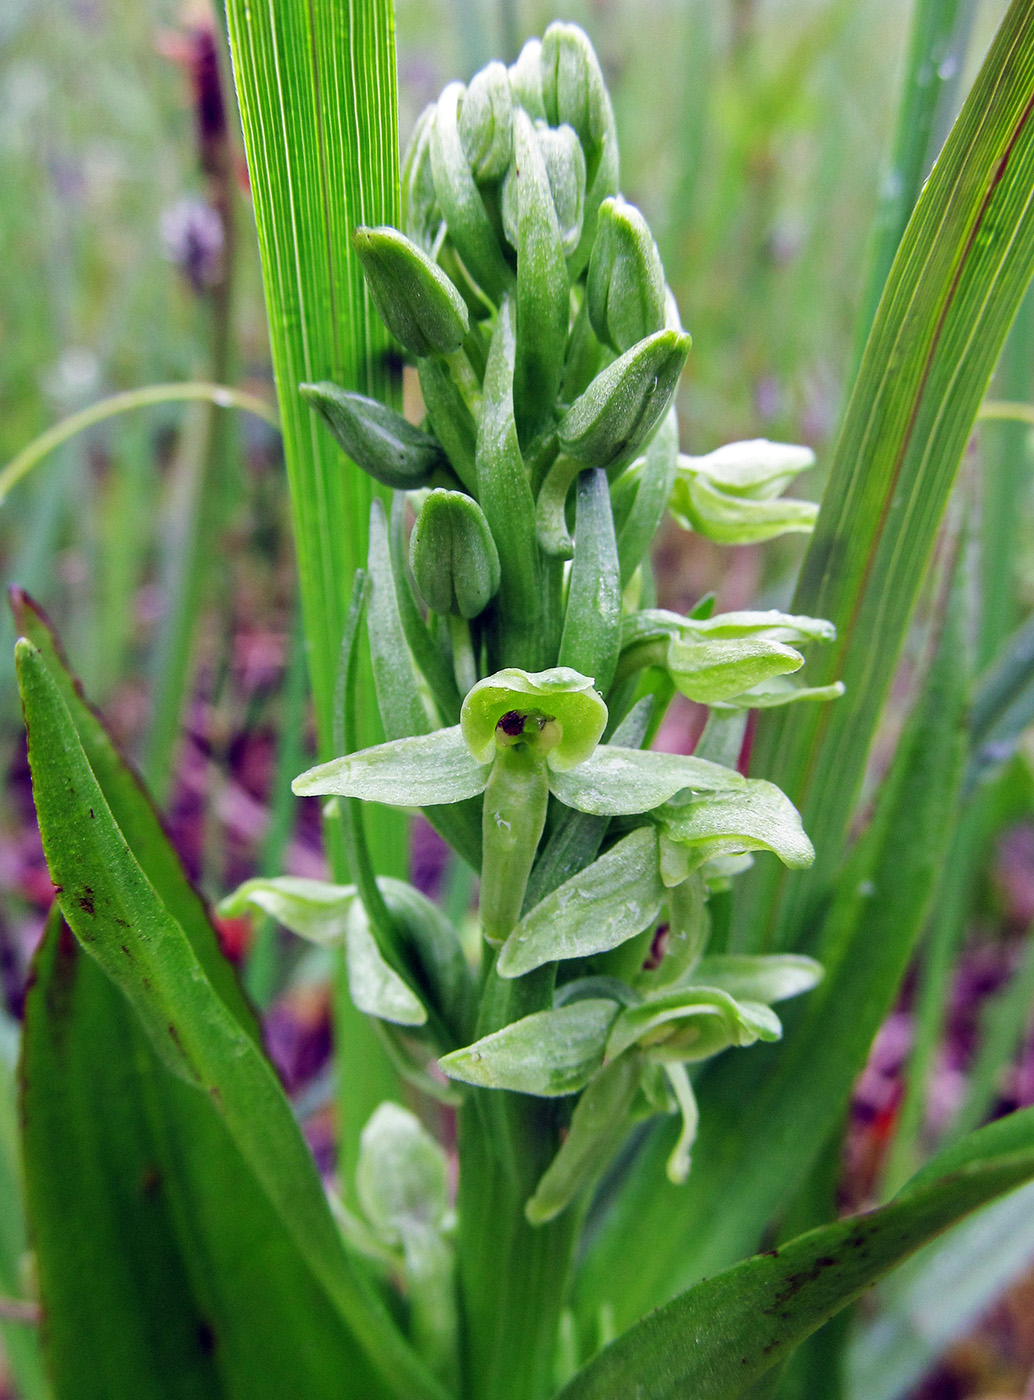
(120, 918)
(164, 1270)
(956, 282)
(713, 1341)
(317, 92)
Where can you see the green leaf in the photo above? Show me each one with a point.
(135, 814)
(505, 497)
(420, 771)
(615, 781)
(960, 272)
(549, 1053)
(317, 94)
(112, 907)
(375, 987)
(469, 225)
(21, 1344)
(602, 906)
(543, 290)
(713, 1341)
(653, 487)
(165, 1271)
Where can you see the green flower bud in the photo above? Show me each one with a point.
(454, 558)
(543, 289)
(618, 412)
(556, 713)
(470, 227)
(565, 166)
(574, 92)
(626, 291)
(421, 214)
(417, 302)
(526, 80)
(573, 89)
(377, 438)
(486, 123)
(730, 495)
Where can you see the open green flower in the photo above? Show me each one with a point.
(730, 495)
(561, 715)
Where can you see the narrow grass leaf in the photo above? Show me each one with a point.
(962, 268)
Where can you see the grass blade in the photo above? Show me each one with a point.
(718, 1337)
(962, 268)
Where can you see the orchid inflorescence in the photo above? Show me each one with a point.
(521, 668)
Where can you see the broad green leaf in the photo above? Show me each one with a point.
(617, 781)
(375, 987)
(601, 907)
(165, 1271)
(961, 270)
(135, 813)
(764, 979)
(549, 1053)
(939, 1296)
(120, 919)
(713, 1341)
(20, 1343)
(421, 771)
(653, 487)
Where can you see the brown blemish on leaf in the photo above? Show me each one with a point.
(85, 901)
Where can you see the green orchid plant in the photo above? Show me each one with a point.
(521, 668)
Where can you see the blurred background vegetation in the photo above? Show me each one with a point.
(755, 135)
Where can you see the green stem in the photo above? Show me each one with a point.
(513, 1276)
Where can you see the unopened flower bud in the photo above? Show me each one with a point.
(421, 213)
(377, 439)
(417, 302)
(617, 413)
(573, 89)
(626, 291)
(454, 558)
(565, 166)
(526, 79)
(486, 122)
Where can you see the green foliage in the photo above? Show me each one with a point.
(589, 1013)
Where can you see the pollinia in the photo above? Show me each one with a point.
(522, 669)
